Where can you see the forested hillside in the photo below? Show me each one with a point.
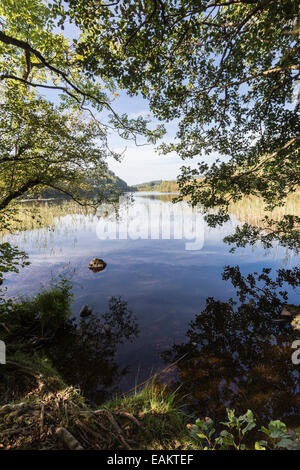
(160, 186)
(112, 180)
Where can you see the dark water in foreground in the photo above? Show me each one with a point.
(165, 275)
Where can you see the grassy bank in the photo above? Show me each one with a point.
(52, 415)
(55, 416)
(45, 385)
(50, 361)
(248, 209)
(40, 409)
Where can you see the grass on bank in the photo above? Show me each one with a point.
(248, 209)
(39, 409)
(160, 411)
(52, 415)
(150, 419)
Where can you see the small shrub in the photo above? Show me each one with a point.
(238, 431)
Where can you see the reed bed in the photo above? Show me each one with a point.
(252, 209)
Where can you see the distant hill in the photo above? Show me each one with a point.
(162, 186)
(112, 179)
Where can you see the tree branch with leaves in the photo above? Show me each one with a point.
(227, 72)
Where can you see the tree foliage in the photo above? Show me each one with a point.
(228, 71)
(10, 259)
(43, 145)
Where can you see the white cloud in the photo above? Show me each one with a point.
(142, 164)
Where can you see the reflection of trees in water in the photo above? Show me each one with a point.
(39, 220)
(239, 356)
(84, 352)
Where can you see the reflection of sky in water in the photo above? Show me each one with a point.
(163, 283)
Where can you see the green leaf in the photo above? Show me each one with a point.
(260, 445)
(277, 429)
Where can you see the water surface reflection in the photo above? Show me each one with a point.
(239, 355)
(164, 284)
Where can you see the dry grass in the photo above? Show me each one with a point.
(251, 209)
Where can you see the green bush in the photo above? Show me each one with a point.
(38, 317)
(238, 434)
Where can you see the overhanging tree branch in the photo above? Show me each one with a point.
(269, 157)
(31, 50)
(20, 191)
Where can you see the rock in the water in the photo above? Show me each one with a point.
(97, 265)
(85, 311)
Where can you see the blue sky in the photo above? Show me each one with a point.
(139, 164)
(142, 163)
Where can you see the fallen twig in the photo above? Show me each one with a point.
(136, 421)
(115, 426)
(68, 439)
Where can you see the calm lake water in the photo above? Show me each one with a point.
(164, 262)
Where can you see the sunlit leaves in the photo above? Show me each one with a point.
(227, 73)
